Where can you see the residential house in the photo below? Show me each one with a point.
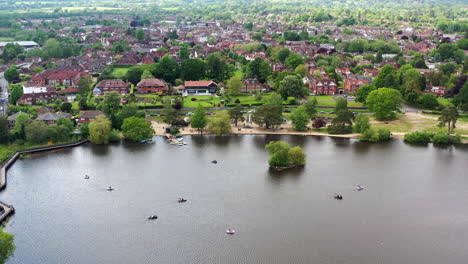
(88, 116)
(200, 87)
(12, 119)
(113, 85)
(323, 86)
(34, 87)
(32, 98)
(252, 85)
(350, 85)
(153, 85)
(52, 118)
(437, 90)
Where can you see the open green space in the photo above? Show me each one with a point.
(119, 73)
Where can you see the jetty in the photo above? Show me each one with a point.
(5, 209)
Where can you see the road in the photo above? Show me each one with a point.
(3, 95)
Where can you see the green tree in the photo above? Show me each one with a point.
(183, 52)
(384, 102)
(279, 153)
(236, 114)
(294, 60)
(429, 101)
(283, 54)
(341, 104)
(146, 75)
(300, 119)
(234, 85)
(310, 107)
(198, 120)
(167, 69)
(461, 99)
(84, 129)
(364, 91)
(216, 67)
(7, 247)
(292, 86)
(11, 74)
(66, 107)
(220, 123)
(301, 70)
(260, 69)
(139, 34)
(362, 123)
(268, 115)
(36, 131)
(170, 114)
(16, 93)
(21, 121)
(296, 156)
(384, 72)
(111, 102)
(193, 69)
(449, 116)
(137, 128)
(4, 130)
(84, 84)
(99, 130)
(133, 75)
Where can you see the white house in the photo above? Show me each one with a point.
(34, 87)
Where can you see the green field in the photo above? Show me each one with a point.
(119, 73)
(6, 39)
(204, 101)
(239, 74)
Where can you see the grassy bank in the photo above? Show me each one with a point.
(6, 150)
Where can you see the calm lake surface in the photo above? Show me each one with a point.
(413, 209)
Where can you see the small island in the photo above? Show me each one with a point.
(282, 156)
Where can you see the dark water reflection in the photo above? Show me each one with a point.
(413, 208)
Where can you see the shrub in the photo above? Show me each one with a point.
(237, 101)
(373, 135)
(418, 137)
(319, 123)
(193, 99)
(114, 136)
(339, 129)
(175, 130)
(441, 138)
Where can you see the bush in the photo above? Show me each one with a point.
(175, 130)
(114, 136)
(237, 101)
(338, 129)
(319, 122)
(373, 135)
(418, 137)
(193, 99)
(443, 138)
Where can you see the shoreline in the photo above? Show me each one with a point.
(9, 209)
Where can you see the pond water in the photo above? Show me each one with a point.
(413, 208)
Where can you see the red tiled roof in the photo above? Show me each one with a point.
(151, 83)
(112, 83)
(198, 83)
(69, 90)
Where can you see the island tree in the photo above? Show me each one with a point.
(384, 102)
(137, 128)
(99, 130)
(282, 155)
(198, 120)
(7, 247)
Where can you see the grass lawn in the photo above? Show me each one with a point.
(6, 150)
(249, 99)
(444, 100)
(204, 101)
(119, 73)
(6, 39)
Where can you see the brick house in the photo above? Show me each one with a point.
(437, 90)
(88, 116)
(323, 86)
(113, 85)
(52, 118)
(351, 85)
(153, 85)
(252, 85)
(46, 97)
